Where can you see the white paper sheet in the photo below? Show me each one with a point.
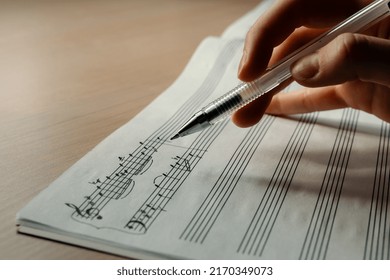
(314, 186)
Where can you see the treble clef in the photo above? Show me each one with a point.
(89, 213)
(78, 211)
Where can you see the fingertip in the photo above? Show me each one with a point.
(254, 60)
(244, 122)
(252, 113)
(248, 72)
(242, 61)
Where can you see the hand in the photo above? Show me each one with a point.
(351, 71)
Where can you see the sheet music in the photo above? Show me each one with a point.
(313, 186)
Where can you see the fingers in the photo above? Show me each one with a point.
(357, 64)
(275, 26)
(306, 100)
(253, 112)
(368, 97)
(351, 71)
(349, 57)
(267, 32)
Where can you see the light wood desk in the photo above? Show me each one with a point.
(71, 72)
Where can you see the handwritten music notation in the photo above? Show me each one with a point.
(167, 184)
(121, 181)
(119, 184)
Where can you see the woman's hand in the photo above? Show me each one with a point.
(351, 71)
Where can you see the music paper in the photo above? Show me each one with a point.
(312, 186)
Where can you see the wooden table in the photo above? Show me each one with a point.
(71, 72)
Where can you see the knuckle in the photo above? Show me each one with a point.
(351, 51)
(351, 47)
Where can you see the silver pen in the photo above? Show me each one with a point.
(245, 93)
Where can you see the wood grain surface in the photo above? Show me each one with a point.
(71, 72)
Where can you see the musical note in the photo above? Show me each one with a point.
(95, 182)
(153, 148)
(154, 208)
(164, 196)
(151, 207)
(93, 213)
(182, 164)
(139, 164)
(192, 155)
(144, 215)
(159, 180)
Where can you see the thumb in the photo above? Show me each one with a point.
(348, 57)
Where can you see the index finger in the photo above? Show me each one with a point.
(280, 21)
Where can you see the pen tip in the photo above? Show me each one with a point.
(175, 137)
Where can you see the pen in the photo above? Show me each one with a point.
(245, 93)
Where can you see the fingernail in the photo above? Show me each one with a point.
(306, 68)
(242, 62)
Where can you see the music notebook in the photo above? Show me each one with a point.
(311, 186)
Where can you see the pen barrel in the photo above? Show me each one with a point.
(245, 93)
(359, 21)
(225, 105)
